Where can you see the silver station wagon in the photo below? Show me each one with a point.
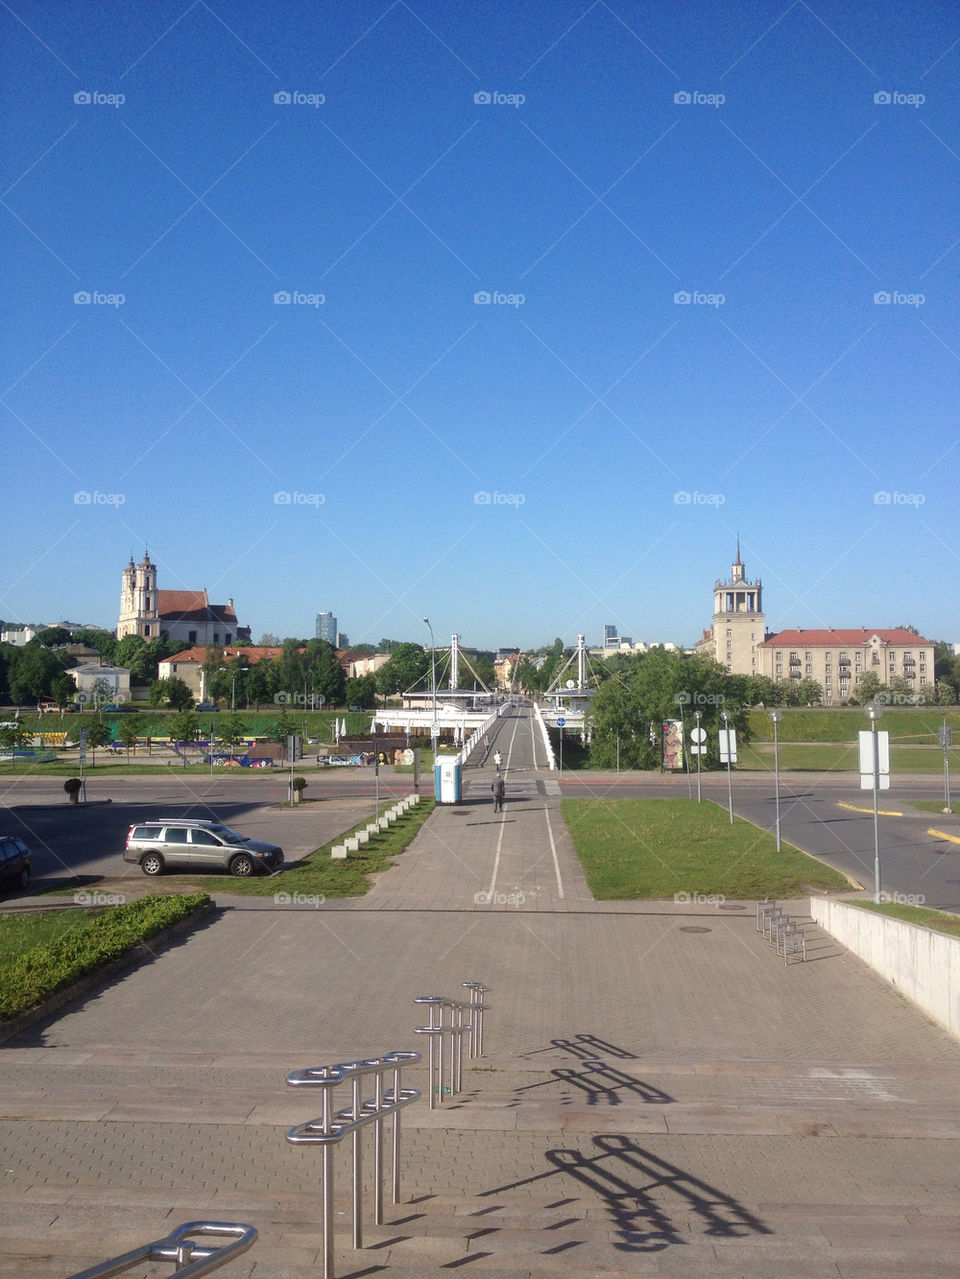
(180, 844)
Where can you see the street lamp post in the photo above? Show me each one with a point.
(434, 728)
(776, 716)
(726, 728)
(699, 743)
(875, 710)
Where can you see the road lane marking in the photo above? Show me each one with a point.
(942, 834)
(553, 850)
(882, 812)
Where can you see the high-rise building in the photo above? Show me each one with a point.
(610, 637)
(327, 628)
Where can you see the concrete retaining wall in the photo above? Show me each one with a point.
(923, 965)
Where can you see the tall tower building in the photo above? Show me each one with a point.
(327, 628)
(139, 603)
(739, 624)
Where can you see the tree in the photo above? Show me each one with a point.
(212, 673)
(97, 735)
(269, 641)
(283, 727)
(128, 734)
(32, 671)
(325, 674)
(261, 683)
(946, 693)
(869, 687)
(173, 692)
(231, 730)
(102, 691)
(184, 726)
(62, 689)
(407, 667)
(105, 642)
(361, 691)
(52, 636)
(810, 692)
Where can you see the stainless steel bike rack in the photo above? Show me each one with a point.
(454, 1018)
(334, 1124)
(190, 1258)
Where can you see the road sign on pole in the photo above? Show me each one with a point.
(874, 770)
(728, 746)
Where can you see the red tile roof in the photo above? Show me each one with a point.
(186, 604)
(852, 638)
(254, 653)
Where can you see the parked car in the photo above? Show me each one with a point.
(179, 844)
(118, 708)
(16, 861)
(206, 706)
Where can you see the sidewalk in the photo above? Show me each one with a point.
(659, 1095)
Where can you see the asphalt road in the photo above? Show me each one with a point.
(88, 840)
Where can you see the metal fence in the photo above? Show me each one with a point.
(377, 1093)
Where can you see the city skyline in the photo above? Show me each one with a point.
(509, 316)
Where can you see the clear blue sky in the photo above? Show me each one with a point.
(582, 410)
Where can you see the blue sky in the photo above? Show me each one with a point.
(387, 166)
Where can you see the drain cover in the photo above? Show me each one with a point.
(732, 906)
(692, 928)
(459, 812)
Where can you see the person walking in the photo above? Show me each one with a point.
(497, 759)
(499, 790)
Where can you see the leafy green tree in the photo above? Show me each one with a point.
(283, 727)
(810, 692)
(869, 687)
(63, 690)
(32, 672)
(52, 636)
(325, 674)
(261, 683)
(184, 726)
(13, 735)
(97, 735)
(946, 693)
(105, 642)
(173, 692)
(212, 673)
(408, 666)
(361, 690)
(230, 731)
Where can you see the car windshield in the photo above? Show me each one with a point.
(231, 836)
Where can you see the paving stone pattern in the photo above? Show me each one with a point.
(652, 1101)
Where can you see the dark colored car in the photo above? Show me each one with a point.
(180, 844)
(16, 861)
(119, 708)
(206, 706)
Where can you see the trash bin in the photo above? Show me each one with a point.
(448, 780)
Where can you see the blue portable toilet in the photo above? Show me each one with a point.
(448, 779)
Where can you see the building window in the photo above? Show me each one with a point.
(809, 669)
(828, 680)
(227, 638)
(808, 657)
(146, 630)
(779, 668)
(779, 656)
(216, 637)
(729, 630)
(191, 637)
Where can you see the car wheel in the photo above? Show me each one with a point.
(24, 877)
(242, 865)
(151, 864)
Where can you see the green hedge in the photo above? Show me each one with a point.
(41, 971)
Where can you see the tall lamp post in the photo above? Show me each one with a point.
(875, 710)
(434, 727)
(777, 716)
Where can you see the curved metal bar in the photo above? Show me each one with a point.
(180, 1246)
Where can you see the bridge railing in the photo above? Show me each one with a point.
(547, 745)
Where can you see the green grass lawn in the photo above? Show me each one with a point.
(936, 919)
(657, 848)
(936, 806)
(841, 724)
(824, 757)
(20, 932)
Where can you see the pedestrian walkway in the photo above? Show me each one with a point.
(659, 1094)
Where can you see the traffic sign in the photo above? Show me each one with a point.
(560, 721)
(698, 750)
(698, 735)
(868, 764)
(728, 746)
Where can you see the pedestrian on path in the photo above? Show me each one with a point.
(499, 790)
(497, 759)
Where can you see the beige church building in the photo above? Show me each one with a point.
(185, 616)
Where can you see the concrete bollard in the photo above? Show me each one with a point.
(338, 850)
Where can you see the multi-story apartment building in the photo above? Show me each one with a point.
(838, 659)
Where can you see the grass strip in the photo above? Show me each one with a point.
(939, 920)
(41, 954)
(677, 848)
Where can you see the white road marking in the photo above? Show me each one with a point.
(553, 850)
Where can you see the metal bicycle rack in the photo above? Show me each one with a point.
(454, 1018)
(334, 1124)
(190, 1258)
